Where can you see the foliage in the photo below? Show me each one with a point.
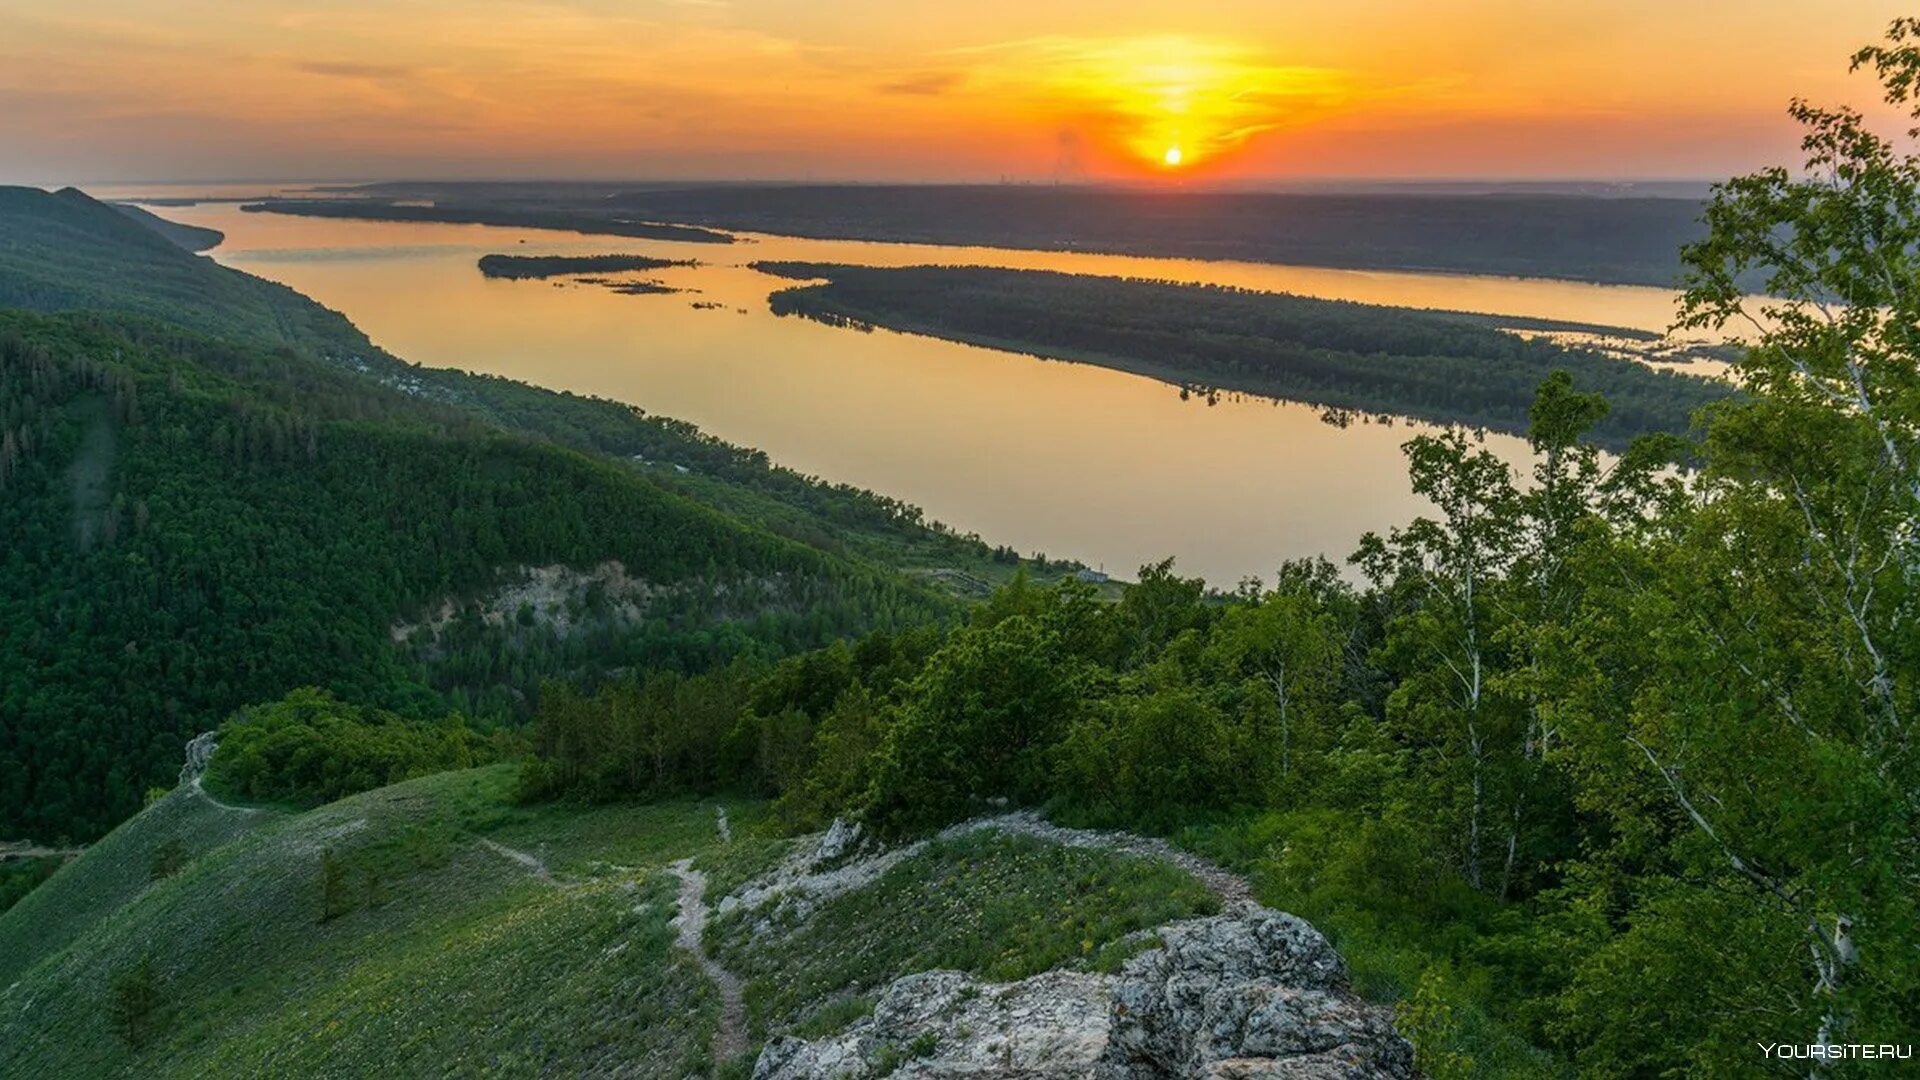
(209, 522)
(311, 748)
(648, 737)
(135, 1002)
(18, 877)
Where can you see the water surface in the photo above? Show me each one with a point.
(1066, 459)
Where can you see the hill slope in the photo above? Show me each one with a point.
(433, 927)
(210, 510)
(189, 237)
(442, 956)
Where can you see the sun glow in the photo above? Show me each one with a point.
(1165, 102)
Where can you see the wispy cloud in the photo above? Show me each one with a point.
(929, 83)
(350, 69)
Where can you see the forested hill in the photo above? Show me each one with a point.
(67, 252)
(191, 237)
(207, 512)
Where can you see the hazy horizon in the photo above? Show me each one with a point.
(1660, 187)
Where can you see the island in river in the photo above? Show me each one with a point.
(521, 267)
(1434, 366)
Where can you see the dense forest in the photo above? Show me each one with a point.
(207, 512)
(519, 267)
(562, 220)
(190, 237)
(1444, 368)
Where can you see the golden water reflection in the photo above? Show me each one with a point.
(1068, 459)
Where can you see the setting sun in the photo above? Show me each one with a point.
(1172, 156)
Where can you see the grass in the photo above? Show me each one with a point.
(113, 872)
(998, 906)
(384, 935)
(440, 956)
(757, 848)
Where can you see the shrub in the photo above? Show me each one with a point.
(310, 748)
(135, 1003)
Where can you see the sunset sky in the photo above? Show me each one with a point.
(102, 90)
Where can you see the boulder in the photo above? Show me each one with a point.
(843, 839)
(946, 1024)
(1253, 994)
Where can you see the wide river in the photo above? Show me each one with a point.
(1066, 459)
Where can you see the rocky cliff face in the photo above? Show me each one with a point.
(1252, 993)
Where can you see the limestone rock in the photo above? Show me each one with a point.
(843, 839)
(1227, 993)
(946, 1024)
(1253, 994)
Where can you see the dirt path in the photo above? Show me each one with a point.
(199, 754)
(195, 786)
(1228, 886)
(802, 883)
(730, 1040)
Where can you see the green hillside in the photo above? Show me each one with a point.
(65, 251)
(190, 237)
(208, 511)
(447, 956)
(464, 935)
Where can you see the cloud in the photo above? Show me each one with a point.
(352, 69)
(926, 83)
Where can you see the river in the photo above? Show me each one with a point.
(1065, 459)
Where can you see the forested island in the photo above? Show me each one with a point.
(559, 219)
(1431, 366)
(519, 267)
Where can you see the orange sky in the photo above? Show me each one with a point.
(98, 90)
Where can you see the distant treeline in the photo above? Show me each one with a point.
(1438, 367)
(509, 216)
(546, 266)
(1621, 241)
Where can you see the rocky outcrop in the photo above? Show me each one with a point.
(1253, 993)
(944, 1023)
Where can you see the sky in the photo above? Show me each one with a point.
(1196, 92)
